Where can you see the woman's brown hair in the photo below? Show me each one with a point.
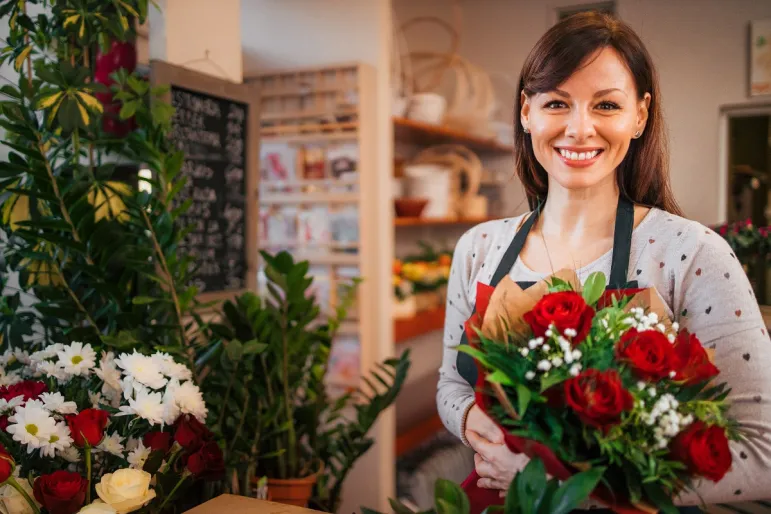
(643, 175)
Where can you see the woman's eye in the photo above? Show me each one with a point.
(555, 104)
(608, 106)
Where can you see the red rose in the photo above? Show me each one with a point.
(566, 309)
(29, 389)
(649, 353)
(158, 441)
(598, 397)
(704, 450)
(6, 464)
(190, 433)
(207, 462)
(693, 364)
(87, 427)
(61, 492)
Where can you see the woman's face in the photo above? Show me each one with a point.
(581, 131)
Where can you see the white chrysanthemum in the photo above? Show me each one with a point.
(189, 399)
(170, 407)
(112, 443)
(142, 369)
(59, 441)
(10, 378)
(8, 405)
(21, 356)
(172, 369)
(146, 405)
(70, 454)
(108, 372)
(138, 456)
(46, 353)
(77, 359)
(96, 399)
(132, 443)
(50, 369)
(32, 425)
(55, 402)
(7, 358)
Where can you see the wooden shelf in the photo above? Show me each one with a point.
(423, 323)
(427, 134)
(415, 435)
(425, 222)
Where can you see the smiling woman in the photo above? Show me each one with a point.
(590, 150)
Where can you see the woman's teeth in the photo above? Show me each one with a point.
(573, 156)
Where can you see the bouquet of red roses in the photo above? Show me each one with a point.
(587, 377)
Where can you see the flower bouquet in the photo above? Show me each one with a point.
(594, 378)
(106, 436)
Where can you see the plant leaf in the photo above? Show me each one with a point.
(575, 490)
(594, 287)
(450, 492)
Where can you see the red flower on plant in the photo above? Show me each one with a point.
(190, 433)
(6, 464)
(29, 389)
(649, 353)
(207, 462)
(693, 364)
(158, 441)
(704, 450)
(598, 398)
(61, 492)
(87, 427)
(566, 310)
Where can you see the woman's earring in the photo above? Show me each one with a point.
(637, 134)
(527, 131)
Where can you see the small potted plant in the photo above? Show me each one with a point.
(276, 415)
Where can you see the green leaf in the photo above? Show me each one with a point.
(399, 507)
(523, 399)
(499, 377)
(479, 356)
(660, 498)
(128, 110)
(528, 486)
(254, 347)
(144, 300)
(234, 349)
(449, 493)
(552, 380)
(594, 287)
(575, 490)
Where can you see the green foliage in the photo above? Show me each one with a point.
(275, 415)
(529, 493)
(99, 257)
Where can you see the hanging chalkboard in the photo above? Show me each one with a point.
(214, 130)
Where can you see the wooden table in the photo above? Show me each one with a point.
(231, 504)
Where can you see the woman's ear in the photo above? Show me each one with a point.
(524, 113)
(642, 112)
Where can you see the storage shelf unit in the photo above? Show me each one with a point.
(427, 222)
(424, 323)
(427, 134)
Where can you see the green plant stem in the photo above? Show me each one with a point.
(87, 450)
(12, 481)
(291, 434)
(244, 410)
(227, 395)
(75, 299)
(171, 494)
(172, 290)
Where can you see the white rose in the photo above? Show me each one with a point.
(98, 507)
(126, 490)
(12, 502)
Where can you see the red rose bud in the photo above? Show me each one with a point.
(693, 364)
(566, 310)
(6, 464)
(61, 492)
(704, 450)
(29, 389)
(207, 462)
(649, 353)
(88, 427)
(190, 433)
(598, 398)
(158, 441)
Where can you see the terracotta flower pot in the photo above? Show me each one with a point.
(292, 491)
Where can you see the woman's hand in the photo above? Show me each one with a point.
(494, 462)
(482, 426)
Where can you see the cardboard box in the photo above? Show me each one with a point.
(231, 504)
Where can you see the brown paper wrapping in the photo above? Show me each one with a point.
(242, 505)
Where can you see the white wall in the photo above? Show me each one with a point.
(699, 46)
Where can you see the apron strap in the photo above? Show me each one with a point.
(622, 244)
(511, 254)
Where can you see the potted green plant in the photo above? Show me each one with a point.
(531, 492)
(265, 377)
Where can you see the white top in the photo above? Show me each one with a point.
(705, 290)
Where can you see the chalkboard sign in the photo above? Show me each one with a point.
(213, 131)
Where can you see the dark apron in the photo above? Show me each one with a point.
(622, 247)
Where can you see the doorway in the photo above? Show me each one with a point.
(746, 196)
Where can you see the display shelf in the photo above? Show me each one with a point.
(422, 323)
(417, 434)
(427, 134)
(425, 222)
